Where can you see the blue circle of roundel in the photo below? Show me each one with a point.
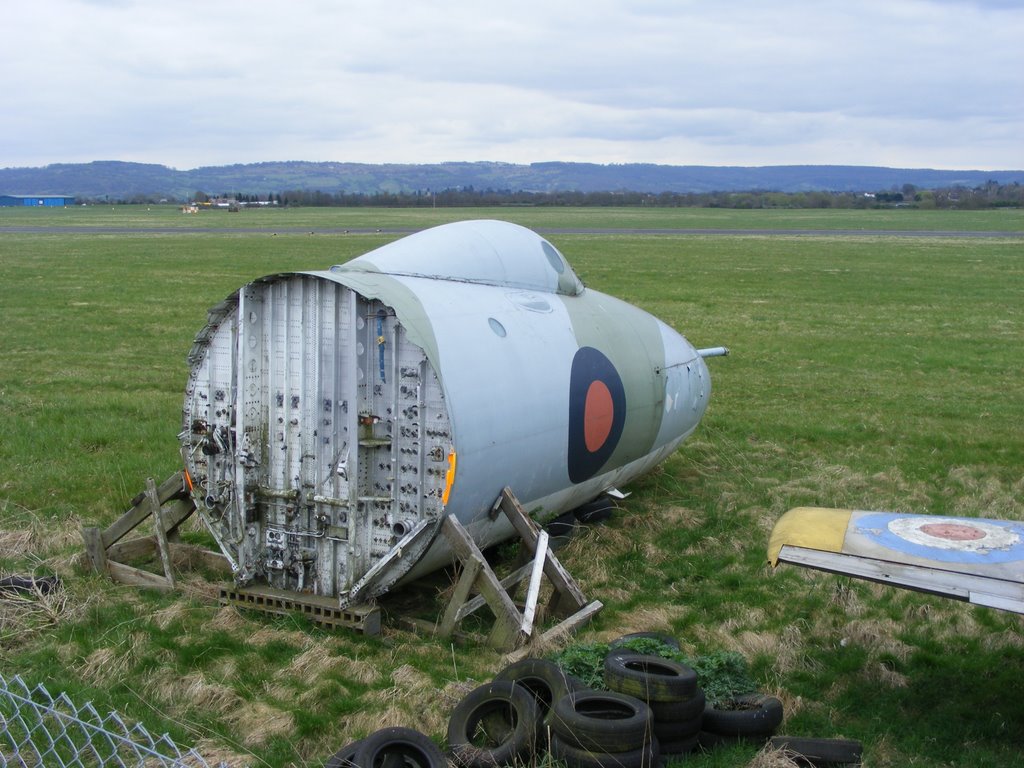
(597, 413)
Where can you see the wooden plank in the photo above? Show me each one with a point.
(522, 522)
(186, 555)
(457, 535)
(176, 512)
(506, 632)
(479, 601)
(132, 549)
(564, 584)
(158, 527)
(511, 627)
(571, 624)
(95, 552)
(425, 627)
(168, 489)
(136, 577)
(470, 570)
(492, 590)
(183, 556)
(555, 635)
(533, 591)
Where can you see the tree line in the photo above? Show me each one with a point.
(989, 195)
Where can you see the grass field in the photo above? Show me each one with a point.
(313, 219)
(874, 372)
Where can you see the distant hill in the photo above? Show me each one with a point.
(123, 181)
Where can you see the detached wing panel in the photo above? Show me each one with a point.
(976, 560)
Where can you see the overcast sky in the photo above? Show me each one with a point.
(903, 83)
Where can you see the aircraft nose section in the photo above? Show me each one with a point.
(698, 381)
(687, 389)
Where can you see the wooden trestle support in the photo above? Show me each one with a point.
(169, 505)
(513, 627)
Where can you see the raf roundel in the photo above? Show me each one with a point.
(597, 413)
(960, 540)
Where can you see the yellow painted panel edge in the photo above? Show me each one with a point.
(809, 527)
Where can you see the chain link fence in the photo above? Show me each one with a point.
(39, 729)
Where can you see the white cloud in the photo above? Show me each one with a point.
(937, 83)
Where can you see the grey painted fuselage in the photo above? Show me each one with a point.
(333, 418)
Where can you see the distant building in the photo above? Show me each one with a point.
(9, 201)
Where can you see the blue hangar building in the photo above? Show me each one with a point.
(58, 201)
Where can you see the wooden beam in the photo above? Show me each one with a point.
(172, 487)
(158, 527)
(454, 614)
(565, 585)
(176, 512)
(132, 549)
(533, 591)
(475, 603)
(95, 552)
(512, 627)
(136, 577)
(183, 556)
(187, 555)
(507, 619)
(560, 630)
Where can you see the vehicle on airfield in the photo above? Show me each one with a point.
(332, 419)
(976, 560)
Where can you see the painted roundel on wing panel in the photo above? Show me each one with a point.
(597, 412)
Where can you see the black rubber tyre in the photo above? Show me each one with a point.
(403, 747)
(646, 756)
(650, 678)
(708, 741)
(661, 637)
(683, 747)
(759, 717)
(677, 731)
(495, 724)
(596, 511)
(563, 525)
(344, 757)
(546, 682)
(821, 751)
(676, 711)
(601, 721)
(29, 585)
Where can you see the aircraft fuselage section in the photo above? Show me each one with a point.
(332, 418)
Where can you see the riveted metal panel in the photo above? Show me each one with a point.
(315, 432)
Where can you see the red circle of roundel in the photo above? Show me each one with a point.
(597, 412)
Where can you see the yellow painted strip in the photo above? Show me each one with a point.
(449, 478)
(809, 527)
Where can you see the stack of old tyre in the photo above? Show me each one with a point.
(509, 720)
(533, 706)
(599, 729)
(670, 691)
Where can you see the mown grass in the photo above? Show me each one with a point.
(872, 372)
(554, 217)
